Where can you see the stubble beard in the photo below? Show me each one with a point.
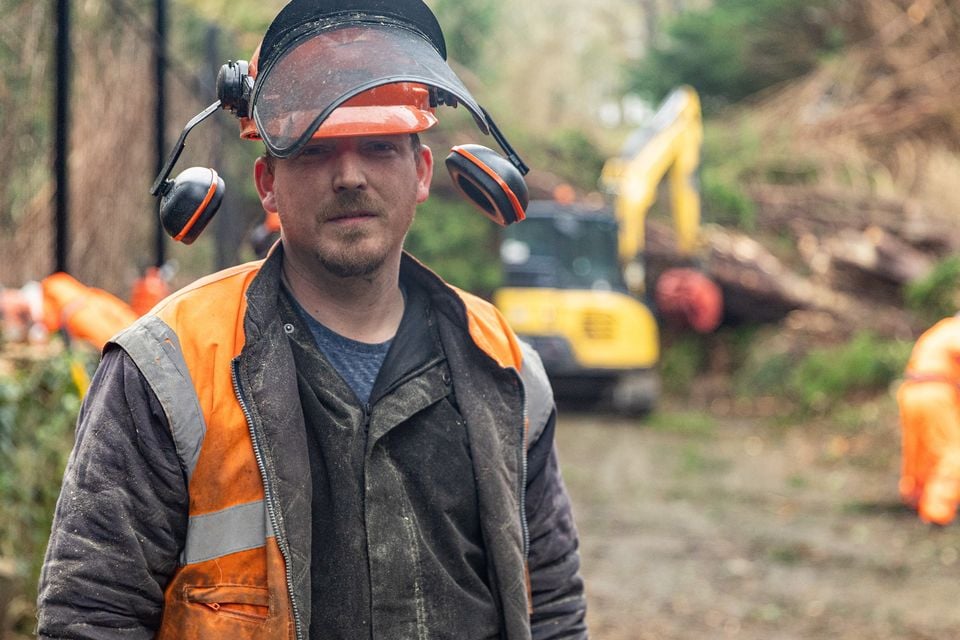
(346, 261)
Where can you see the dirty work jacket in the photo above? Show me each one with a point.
(246, 543)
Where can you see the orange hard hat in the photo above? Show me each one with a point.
(396, 108)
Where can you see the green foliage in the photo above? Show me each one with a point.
(937, 295)
(466, 28)
(38, 409)
(730, 155)
(820, 379)
(689, 423)
(739, 47)
(725, 203)
(680, 362)
(573, 154)
(790, 171)
(765, 375)
(457, 242)
(824, 377)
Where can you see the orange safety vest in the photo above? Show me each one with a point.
(232, 580)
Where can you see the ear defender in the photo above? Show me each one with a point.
(489, 181)
(189, 203)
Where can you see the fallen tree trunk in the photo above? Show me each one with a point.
(759, 288)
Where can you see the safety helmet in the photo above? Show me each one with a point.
(319, 55)
(397, 108)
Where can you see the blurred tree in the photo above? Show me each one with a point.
(457, 242)
(25, 103)
(466, 27)
(739, 47)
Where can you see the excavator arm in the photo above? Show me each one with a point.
(669, 145)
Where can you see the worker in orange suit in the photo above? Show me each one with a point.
(84, 313)
(929, 401)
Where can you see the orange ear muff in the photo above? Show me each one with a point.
(489, 181)
(190, 202)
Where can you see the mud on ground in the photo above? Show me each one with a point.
(701, 527)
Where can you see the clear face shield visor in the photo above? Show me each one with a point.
(326, 66)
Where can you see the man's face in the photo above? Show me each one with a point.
(346, 204)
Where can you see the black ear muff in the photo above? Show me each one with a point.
(489, 181)
(235, 87)
(189, 203)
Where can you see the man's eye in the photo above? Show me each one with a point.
(315, 151)
(381, 147)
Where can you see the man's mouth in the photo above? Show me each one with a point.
(352, 216)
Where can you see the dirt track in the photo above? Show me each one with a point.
(756, 530)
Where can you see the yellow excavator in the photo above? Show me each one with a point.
(574, 276)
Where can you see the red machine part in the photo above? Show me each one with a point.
(689, 297)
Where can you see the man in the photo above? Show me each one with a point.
(332, 443)
(929, 401)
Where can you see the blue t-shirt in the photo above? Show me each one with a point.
(358, 363)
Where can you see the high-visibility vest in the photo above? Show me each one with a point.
(232, 580)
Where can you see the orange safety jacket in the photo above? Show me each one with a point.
(234, 579)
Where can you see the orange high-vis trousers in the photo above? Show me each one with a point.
(929, 401)
(930, 469)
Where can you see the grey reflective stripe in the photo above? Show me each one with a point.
(155, 349)
(537, 392)
(233, 529)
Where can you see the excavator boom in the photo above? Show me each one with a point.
(669, 145)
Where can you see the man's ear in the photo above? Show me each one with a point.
(424, 173)
(263, 177)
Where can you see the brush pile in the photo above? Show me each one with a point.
(855, 180)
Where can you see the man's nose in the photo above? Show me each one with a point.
(349, 171)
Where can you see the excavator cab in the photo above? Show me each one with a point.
(562, 246)
(564, 293)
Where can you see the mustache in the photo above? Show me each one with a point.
(350, 201)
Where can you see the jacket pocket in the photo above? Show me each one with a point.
(240, 602)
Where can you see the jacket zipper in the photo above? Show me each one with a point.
(271, 509)
(524, 430)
